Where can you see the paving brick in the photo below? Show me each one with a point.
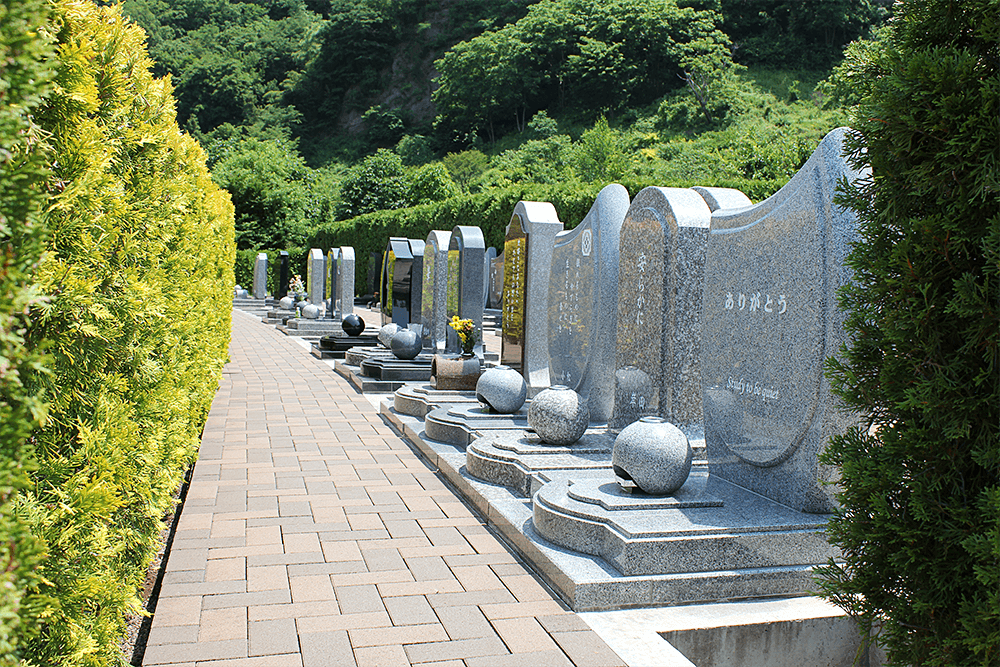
(455, 650)
(478, 578)
(311, 588)
(409, 634)
(587, 649)
(266, 578)
(554, 658)
(381, 560)
(381, 656)
(359, 599)
(409, 610)
(178, 611)
(326, 649)
(465, 622)
(226, 569)
(174, 653)
(223, 624)
(523, 635)
(273, 637)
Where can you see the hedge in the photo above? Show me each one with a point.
(138, 281)
(490, 211)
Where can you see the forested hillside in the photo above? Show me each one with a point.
(316, 111)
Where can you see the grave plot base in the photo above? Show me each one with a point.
(335, 347)
(363, 384)
(392, 369)
(588, 582)
(459, 424)
(418, 400)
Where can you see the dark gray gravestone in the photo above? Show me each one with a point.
(466, 250)
(435, 288)
(770, 321)
(344, 304)
(416, 282)
(658, 370)
(397, 267)
(372, 281)
(332, 266)
(583, 303)
(283, 276)
(495, 291)
(527, 269)
(260, 276)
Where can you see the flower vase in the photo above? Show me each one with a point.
(455, 373)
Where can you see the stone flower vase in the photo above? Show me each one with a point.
(502, 389)
(405, 344)
(558, 415)
(455, 373)
(654, 454)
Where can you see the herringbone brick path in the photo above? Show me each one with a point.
(312, 536)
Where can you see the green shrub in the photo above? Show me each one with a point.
(26, 56)
(139, 278)
(920, 501)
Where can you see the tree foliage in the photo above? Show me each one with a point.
(918, 526)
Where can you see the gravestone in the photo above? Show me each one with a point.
(372, 281)
(435, 292)
(723, 198)
(332, 266)
(491, 255)
(316, 276)
(344, 305)
(770, 320)
(662, 259)
(495, 298)
(416, 283)
(527, 253)
(583, 303)
(394, 290)
(260, 276)
(466, 250)
(283, 276)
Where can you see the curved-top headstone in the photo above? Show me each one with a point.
(770, 319)
(394, 290)
(435, 291)
(260, 276)
(723, 198)
(344, 304)
(466, 250)
(583, 303)
(659, 307)
(527, 251)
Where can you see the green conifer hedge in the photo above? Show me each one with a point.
(918, 525)
(137, 277)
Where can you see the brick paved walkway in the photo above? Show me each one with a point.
(313, 536)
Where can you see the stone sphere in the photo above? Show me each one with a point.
(405, 344)
(558, 415)
(353, 325)
(310, 312)
(287, 302)
(502, 389)
(654, 454)
(386, 333)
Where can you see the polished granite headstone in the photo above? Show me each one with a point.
(723, 198)
(495, 299)
(466, 250)
(658, 369)
(527, 254)
(344, 304)
(416, 283)
(488, 259)
(260, 276)
(332, 266)
(583, 303)
(316, 276)
(283, 276)
(394, 290)
(770, 321)
(435, 290)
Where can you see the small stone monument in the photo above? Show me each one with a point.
(770, 320)
(394, 290)
(283, 276)
(466, 250)
(527, 268)
(260, 276)
(435, 290)
(316, 276)
(658, 370)
(583, 303)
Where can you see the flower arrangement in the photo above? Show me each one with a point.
(467, 334)
(296, 286)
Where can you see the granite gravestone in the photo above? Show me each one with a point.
(283, 276)
(495, 298)
(435, 287)
(394, 290)
(491, 255)
(344, 304)
(723, 198)
(416, 284)
(662, 263)
(583, 303)
(466, 250)
(332, 265)
(316, 276)
(374, 275)
(527, 268)
(260, 276)
(770, 320)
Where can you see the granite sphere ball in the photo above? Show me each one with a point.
(386, 333)
(353, 325)
(310, 312)
(405, 344)
(287, 302)
(558, 415)
(502, 389)
(654, 454)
